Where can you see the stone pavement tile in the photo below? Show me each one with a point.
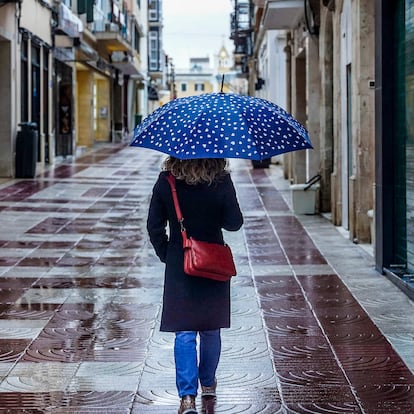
(22, 329)
(67, 402)
(38, 377)
(82, 288)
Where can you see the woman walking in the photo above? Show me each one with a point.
(192, 305)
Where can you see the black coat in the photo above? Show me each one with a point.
(192, 303)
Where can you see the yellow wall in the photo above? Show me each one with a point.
(208, 87)
(84, 131)
(102, 110)
(93, 108)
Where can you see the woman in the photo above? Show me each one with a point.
(193, 305)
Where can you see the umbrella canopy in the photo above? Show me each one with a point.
(221, 125)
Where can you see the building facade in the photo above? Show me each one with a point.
(349, 75)
(198, 78)
(26, 75)
(206, 76)
(76, 70)
(333, 63)
(394, 155)
(157, 61)
(319, 54)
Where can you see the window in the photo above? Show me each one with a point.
(36, 74)
(153, 51)
(35, 116)
(86, 7)
(45, 108)
(153, 10)
(183, 87)
(137, 39)
(199, 87)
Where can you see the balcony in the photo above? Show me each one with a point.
(68, 23)
(110, 37)
(282, 14)
(240, 28)
(240, 19)
(127, 63)
(83, 52)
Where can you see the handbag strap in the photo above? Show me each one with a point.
(180, 218)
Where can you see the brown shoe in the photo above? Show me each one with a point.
(188, 405)
(209, 391)
(208, 405)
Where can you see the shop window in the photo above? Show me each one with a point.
(63, 110)
(199, 87)
(35, 90)
(24, 82)
(45, 108)
(399, 139)
(35, 83)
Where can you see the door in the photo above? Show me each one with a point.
(346, 109)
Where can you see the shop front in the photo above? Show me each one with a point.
(395, 142)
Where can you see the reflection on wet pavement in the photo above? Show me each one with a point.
(80, 296)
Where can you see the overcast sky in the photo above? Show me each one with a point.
(194, 28)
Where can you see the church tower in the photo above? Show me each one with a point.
(224, 60)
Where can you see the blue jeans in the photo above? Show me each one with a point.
(188, 370)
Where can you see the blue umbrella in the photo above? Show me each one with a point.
(221, 125)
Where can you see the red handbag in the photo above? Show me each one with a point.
(203, 259)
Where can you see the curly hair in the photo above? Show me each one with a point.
(198, 170)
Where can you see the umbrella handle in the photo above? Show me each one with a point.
(222, 83)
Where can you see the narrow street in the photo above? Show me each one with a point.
(314, 328)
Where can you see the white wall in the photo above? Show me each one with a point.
(8, 82)
(36, 19)
(346, 59)
(272, 67)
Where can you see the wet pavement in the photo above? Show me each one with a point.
(314, 328)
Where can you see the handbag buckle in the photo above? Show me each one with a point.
(182, 225)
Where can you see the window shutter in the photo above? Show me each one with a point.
(86, 6)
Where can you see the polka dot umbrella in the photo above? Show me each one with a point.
(221, 125)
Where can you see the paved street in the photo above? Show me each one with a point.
(314, 328)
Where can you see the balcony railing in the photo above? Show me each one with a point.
(241, 32)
